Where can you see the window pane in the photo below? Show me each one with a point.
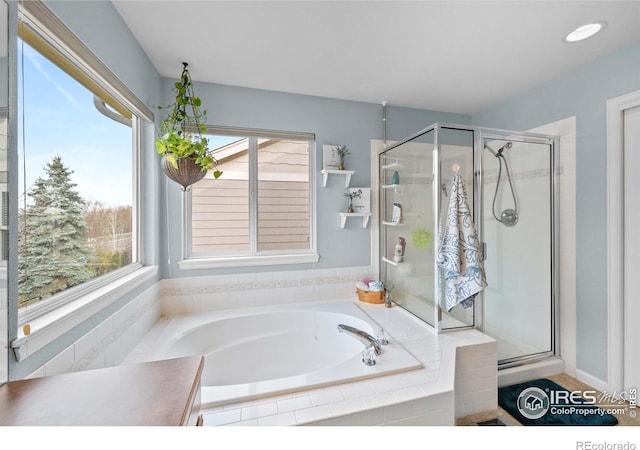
(76, 189)
(220, 208)
(283, 195)
(261, 203)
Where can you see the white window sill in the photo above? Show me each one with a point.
(50, 326)
(247, 261)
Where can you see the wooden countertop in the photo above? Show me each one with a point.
(152, 393)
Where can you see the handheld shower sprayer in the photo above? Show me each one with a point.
(508, 145)
(509, 217)
(498, 153)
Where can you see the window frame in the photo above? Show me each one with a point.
(44, 32)
(254, 257)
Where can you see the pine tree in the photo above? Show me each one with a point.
(53, 254)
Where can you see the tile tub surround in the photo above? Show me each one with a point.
(211, 293)
(111, 341)
(253, 353)
(458, 378)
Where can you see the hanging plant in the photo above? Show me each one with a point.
(186, 156)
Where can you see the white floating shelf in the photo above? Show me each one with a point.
(388, 261)
(393, 165)
(347, 173)
(393, 224)
(344, 216)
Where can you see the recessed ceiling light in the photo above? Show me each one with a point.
(585, 31)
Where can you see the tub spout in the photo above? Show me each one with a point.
(364, 337)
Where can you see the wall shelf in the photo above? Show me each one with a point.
(344, 216)
(393, 165)
(394, 224)
(347, 173)
(388, 261)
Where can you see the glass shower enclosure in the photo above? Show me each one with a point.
(510, 185)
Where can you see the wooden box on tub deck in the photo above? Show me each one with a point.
(371, 296)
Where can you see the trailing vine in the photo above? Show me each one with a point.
(181, 132)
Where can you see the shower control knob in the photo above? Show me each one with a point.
(509, 217)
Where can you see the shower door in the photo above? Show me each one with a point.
(407, 218)
(415, 178)
(518, 231)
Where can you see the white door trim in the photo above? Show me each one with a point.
(615, 237)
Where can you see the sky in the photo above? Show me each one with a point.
(58, 117)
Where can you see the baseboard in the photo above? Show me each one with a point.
(531, 371)
(592, 381)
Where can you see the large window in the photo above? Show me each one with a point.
(77, 147)
(261, 208)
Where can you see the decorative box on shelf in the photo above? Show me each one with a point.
(376, 297)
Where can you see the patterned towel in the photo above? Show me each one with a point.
(459, 254)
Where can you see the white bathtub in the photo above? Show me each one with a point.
(260, 352)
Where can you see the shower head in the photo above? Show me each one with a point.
(498, 153)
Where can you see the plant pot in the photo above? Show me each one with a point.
(187, 173)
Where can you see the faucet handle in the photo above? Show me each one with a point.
(369, 355)
(382, 336)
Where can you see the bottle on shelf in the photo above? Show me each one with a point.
(398, 254)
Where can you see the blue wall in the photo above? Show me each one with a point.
(334, 122)
(582, 93)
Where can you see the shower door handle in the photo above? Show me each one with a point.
(484, 251)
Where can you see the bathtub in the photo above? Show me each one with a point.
(260, 352)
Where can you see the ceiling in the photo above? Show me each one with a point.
(455, 56)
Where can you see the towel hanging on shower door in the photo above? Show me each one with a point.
(459, 253)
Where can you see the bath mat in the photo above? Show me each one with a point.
(543, 402)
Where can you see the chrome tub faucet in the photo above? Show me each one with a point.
(372, 345)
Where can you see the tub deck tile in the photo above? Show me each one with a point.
(323, 398)
(378, 400)
(222, 417)
(294, 403)
(358, 391)
(348, 406)
(284, 419)
(408, 393)
(260, 410)
(313, 414)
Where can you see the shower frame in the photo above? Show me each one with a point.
(480, 136)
